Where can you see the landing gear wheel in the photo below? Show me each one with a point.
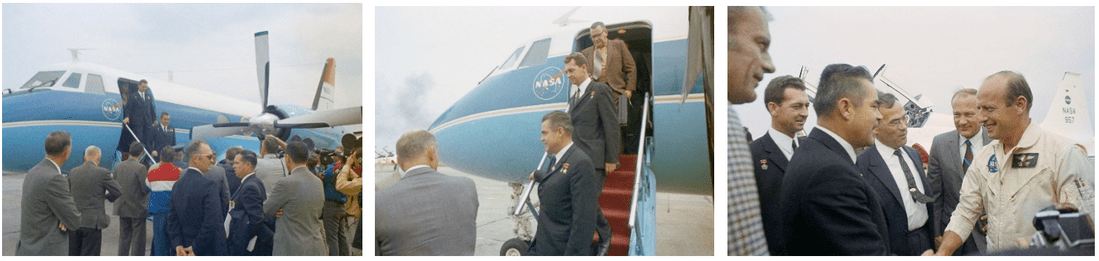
(514, 247)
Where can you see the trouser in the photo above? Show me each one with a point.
(918, 240)
(601, 224)
(85, 242)
(334, 217)
(160, 236)
(131, 236)
(358, 242)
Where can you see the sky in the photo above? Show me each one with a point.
(429, 57)
(933, 50)
(205, 46)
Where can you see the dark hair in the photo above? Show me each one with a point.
(143, 81)
(57, 142)
(886, 100)
(167, 154)
(164, 113)
(578, 58)
(136, 149)
(1016, 86)
(559, 119)
(297, 151)
(248, 156)
(839, 81)
(231, 153)
(776, 90)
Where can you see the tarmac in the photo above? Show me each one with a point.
(13, 191)
(685, 222)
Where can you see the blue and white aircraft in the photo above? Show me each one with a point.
(83, 99)
(493, 131)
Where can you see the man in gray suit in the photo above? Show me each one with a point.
(300, 198)
(47, 208)
(90, 185)
(131, 208)
(951, 154)
(269, 168)
(426, 212)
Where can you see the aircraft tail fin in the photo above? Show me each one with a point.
(1069, 115)
(263, 66)
(326, 89)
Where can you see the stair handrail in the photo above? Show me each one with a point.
(522, 200)
(146, 150)
(640, 159)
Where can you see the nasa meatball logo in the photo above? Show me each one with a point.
(1068, 99)
(545, 87)
(111, 109)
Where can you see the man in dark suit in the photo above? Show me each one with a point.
(230, 172)
(568, 197)
(47, 209)
(217, 174)
(951, 154)
(140, 113)
(448, 223)
(133, 206)
(592, 113)
(829, 209)
(895, 171)
(789, 107)
(91, 184)
(195, 224)
(247, 211)
(163, 134)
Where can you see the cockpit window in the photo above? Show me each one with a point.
(43, 79)
(73, 81)
(511, 59)
(539, 52)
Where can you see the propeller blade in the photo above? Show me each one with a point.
(263, 66)
(328, 118)
(231, 124)
(210, 131)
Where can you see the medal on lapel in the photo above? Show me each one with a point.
(763, 164)
(592, 94)
(565, 168)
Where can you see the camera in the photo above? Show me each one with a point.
(1062, 229)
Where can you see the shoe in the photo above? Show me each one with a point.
(604, 245)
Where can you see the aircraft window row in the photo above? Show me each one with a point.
(538, 53)
(94, 84)
(511, 59)
(43, 79)
(73, 81)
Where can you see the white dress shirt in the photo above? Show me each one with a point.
(917, 213)
(843, 143)
(783, 142)
(977, 142)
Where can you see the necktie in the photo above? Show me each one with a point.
(916, 195)
(552, 162)
(575, 95)
(968, 157)
(794, 144)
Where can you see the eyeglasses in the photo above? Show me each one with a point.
(209, 156)
(898, 122)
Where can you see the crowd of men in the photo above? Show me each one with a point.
(852, 186)
(198, 207)
(429, 213)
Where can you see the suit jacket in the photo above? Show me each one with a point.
(620, 71)
(46, 202)
(193, 218)
(944, 172)
(299, 231)
(426, 213)
(134, 202)
(162, 137)
(248, 220)
(877, 173)
(141, 111)
(566, 219)
(230, 177)
(596, 129)
(769, 183)
(88, 183)
(829, 208)
(270, 169)
(217, 174)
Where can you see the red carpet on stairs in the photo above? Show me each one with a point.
(615, 202)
